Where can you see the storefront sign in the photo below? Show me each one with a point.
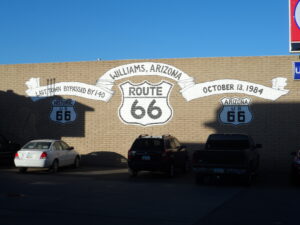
(296, 70)
(294, 26)
(145, 103)
(235, 111)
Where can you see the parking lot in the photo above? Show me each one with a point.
(92, 195)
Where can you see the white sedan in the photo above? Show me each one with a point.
(50, 154)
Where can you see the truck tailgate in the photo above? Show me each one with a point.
(220, 158)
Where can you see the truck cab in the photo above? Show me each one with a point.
(227, 154)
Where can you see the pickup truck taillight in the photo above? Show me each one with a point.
(43, 155)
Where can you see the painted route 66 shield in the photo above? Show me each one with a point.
(235, 111)
(63, 110)
(145, 103)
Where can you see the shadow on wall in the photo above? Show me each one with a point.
(274, 125)
(192, 147)
(23, 119)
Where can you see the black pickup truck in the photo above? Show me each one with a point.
(7, 151)
(227, 155)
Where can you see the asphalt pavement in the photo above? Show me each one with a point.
(108, 196)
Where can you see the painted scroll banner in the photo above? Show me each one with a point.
(228, 86)
(102, 90)
(66, 88)
(189, 89)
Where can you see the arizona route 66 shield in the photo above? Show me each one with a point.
(235, 111)
(145, 103)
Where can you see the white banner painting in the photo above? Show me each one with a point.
(103, 89)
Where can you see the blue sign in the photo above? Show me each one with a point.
(296, 70)
(63, 110)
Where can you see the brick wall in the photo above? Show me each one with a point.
(99, 130)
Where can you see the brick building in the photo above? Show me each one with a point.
(101, 106)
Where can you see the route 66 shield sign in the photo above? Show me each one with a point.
(235, 111)
(145, 103)
(63, 110)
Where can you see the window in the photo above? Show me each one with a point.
(37, 145)
(172, 143)
(177, 143)
(57, 146)
(147, 144)
(64, 145)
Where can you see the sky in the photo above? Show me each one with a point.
(45, 31)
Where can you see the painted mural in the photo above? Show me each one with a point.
(147, 104)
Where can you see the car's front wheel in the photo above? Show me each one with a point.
(76, 162)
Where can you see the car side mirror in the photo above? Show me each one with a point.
(71, 148)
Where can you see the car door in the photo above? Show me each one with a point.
(180, 154)
(59, 153)
(68, 153)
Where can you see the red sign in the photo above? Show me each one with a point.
(294, 25)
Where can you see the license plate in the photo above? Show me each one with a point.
(29, 156)
(218, 170)
(146, 157)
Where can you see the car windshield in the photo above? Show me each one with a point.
(144, 144)
(37, 145)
